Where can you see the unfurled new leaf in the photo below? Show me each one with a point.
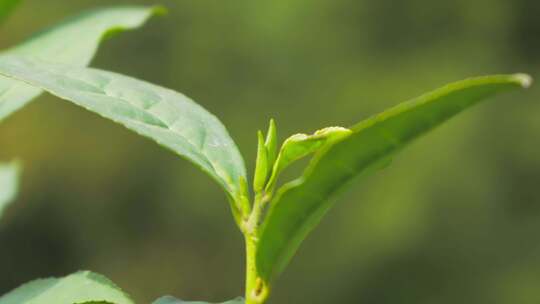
(301, 145)
(298, 206)
(172, 300)
(81, 287)
(168, 117)
(8, 184)
(73, 42)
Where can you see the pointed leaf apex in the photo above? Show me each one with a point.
(272, 130)
(272, 123)
(524, 80)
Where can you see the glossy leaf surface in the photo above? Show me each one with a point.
(299, 206)
(168, 117)
(81, 287)
(74, 41)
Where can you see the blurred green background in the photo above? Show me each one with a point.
(455, 219)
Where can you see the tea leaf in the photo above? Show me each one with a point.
(168, 117)
(299, 206)
(301, 145)
(74, 41)
(8, 184)
(81, 287)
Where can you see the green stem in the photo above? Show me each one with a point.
(257, 290)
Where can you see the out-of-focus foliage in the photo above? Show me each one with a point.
(455, 219)
(74, 41)
(81, 287)
(6, 6)
(8, 184)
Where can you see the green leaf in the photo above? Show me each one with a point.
(8, 184)
(81, 287)
(166, 116)
(6, 7)
(299, 206)
(172, 300)
(74, 41)
(301, 145)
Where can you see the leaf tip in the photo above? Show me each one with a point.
(272, 123)
(271, 142)
(272, 131)
(524, 80)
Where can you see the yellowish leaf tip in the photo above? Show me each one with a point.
(524, 80)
